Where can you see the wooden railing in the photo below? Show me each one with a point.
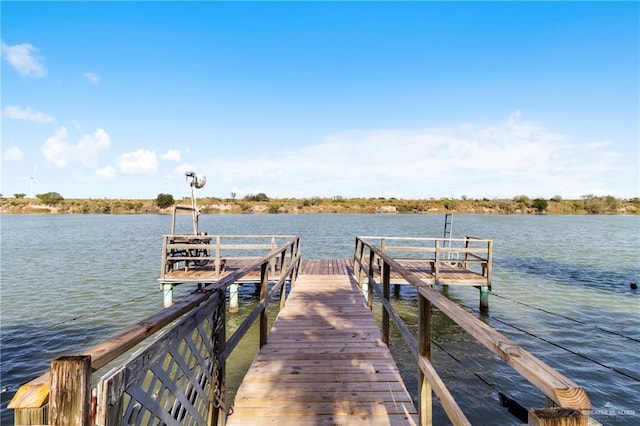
(188, 251)
(442, 259)
(560, 391)
(177, 379)
(471, 253)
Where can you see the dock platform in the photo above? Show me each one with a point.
(450, 272)
(324, 363)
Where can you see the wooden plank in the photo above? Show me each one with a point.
(330, 420)
(340, 408)
(450, 275)
(324, 362)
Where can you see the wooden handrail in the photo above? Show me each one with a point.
(558, 388)
(35, 394)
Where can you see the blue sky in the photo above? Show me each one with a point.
(381, 99)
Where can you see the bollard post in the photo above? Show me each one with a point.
(167, 291)
(233, 298)
(484, 298)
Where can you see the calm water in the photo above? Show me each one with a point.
(561, 289)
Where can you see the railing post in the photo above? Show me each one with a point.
(295, 258)
(467, 244)
(217, 412)
(274, 259)
(163, 269)
(218, 259)
(283, 262)
(370, 279)
(436, 264)
(264, 290)
(386, 290)
(424, 350)
(283, 287)
(357, 259)
(489, 262)
(295, 251)
(70, 398)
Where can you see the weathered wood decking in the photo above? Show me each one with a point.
(324, 363)
(423, 269)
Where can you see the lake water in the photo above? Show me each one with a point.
(561, 289)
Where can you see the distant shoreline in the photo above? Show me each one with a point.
(521, 205)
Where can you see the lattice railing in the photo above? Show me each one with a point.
(178, 379)
(174, 381)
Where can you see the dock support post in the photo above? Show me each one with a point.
(167, 291)
(264, 293)
(386, 284)
(233, 298)
(484, 298)
(365, 290)
(396, 291)
(70, 399)
(425, 398)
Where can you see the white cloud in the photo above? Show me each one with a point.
(91, 77)
(24, 58)
(108, 172)
(598, 144)
(18, 113)
(140, 162)
(495, 160)
(12, 154)
(58, 152)
(171, 155)
(514, 118)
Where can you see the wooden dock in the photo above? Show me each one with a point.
(324, 363)
(450, 273)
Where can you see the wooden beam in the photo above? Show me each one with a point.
(70, 403)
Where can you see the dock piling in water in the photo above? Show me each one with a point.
(233, 298)
(167, 294)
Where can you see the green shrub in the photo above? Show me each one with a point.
(540, 204)
(50, 198)
(273, 208)
(164, 200)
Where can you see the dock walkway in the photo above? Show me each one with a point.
(324, 363)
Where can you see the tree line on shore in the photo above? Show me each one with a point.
(54, 203)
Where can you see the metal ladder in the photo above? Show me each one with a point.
(448, 232)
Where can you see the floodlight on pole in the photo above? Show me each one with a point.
(196, 182)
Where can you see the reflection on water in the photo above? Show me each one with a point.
(69, 282)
